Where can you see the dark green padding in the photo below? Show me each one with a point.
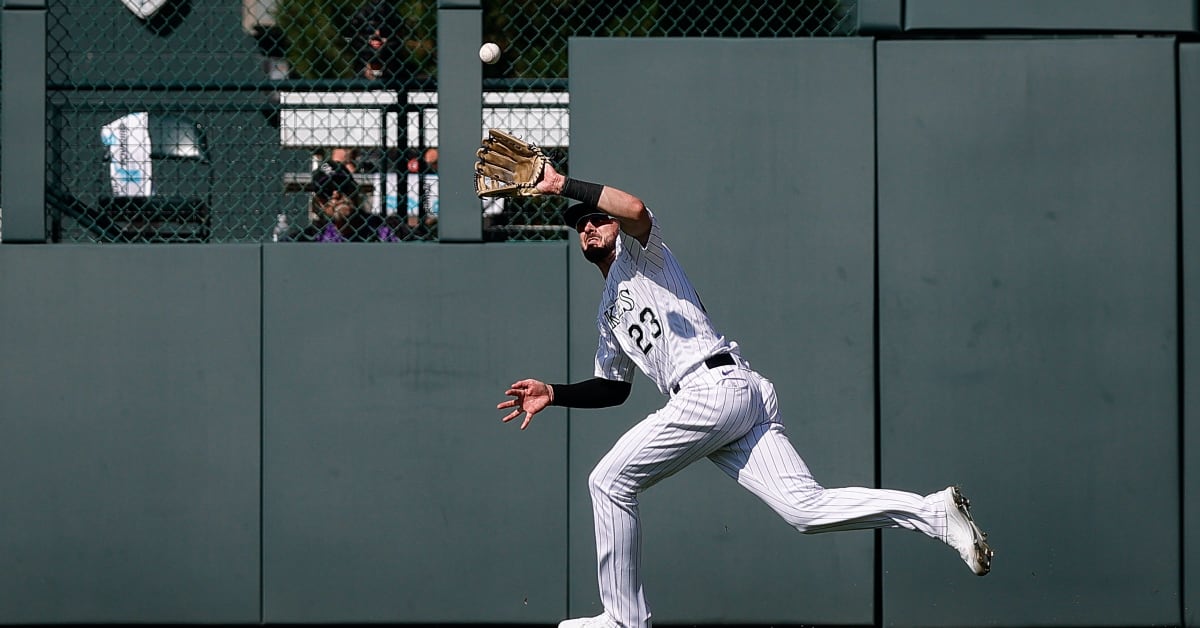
(1028, 332)
(129, 434)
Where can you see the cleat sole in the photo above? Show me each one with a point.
(983, 552)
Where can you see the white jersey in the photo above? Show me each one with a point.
(650, 316)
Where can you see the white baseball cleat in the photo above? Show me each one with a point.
(963, 535)
(599, 621)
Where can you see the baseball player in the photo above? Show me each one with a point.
(719, 408)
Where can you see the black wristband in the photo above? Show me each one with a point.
(582, 191)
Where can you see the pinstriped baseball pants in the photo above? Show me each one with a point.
(729, 415)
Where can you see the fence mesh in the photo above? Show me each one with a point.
(1, 135)
(220, 121)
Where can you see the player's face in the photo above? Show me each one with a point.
(598, 237)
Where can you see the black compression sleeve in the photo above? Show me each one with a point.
(586, 192)
(591, 393)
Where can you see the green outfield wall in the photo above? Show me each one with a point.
(965, 261)
(1028, 288)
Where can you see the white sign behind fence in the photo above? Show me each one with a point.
(360, 119)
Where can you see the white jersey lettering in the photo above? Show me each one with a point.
(651, 317)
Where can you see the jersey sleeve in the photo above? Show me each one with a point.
(649, 258)
(611, 361)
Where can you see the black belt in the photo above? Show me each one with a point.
(720, 359)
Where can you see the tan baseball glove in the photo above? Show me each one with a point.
(507, 166)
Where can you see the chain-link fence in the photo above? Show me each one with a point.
(1, 135)
(195, 120)
(531, 75)
(207, 121)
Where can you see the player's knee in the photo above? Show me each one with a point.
(801, 511)
(600, 481)
(800, 523)
(798, 518)
(607, 483)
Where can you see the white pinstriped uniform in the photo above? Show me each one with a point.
(650, 316)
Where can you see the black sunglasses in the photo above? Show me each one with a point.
(595, 219)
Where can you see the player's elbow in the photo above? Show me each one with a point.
(637, 222)
(614, 393)
(621, 393)
(641, 213)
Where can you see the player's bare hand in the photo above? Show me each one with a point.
(551, 182)
(529, 396)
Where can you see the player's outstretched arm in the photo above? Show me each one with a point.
(529, 396)
(628, 209)
(532, 396)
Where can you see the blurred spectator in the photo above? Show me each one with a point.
(422, 182)
(378, 42)
(425, 164)
(318, 156)
(349, 157)
(335, 212)
(258, 21)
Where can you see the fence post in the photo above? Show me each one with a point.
(460, 119)
(23, 121)
(880, 16)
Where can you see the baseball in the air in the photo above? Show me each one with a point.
(489, 53)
